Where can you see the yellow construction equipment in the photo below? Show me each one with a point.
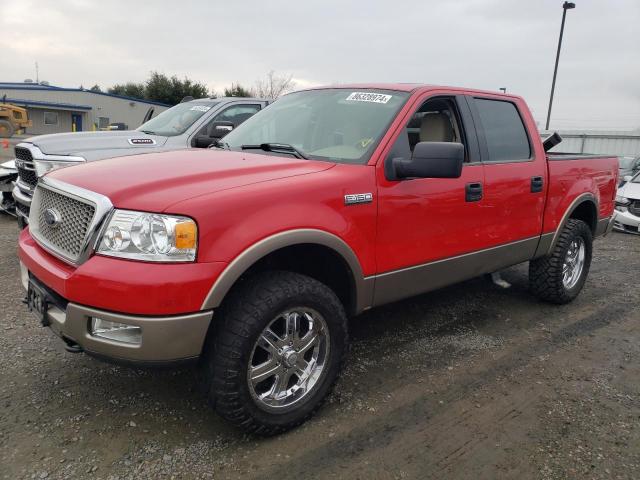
(13, 119)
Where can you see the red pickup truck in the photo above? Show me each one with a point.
(252, 255)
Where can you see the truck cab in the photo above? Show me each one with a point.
(190, 124)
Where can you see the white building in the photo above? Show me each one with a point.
(621, 143)
(56, 109)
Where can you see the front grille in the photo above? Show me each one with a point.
(634, 208)
(68, 236)
(26, 168)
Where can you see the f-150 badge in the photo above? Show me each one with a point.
(358, 198)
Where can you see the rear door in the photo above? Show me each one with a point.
(515, 171)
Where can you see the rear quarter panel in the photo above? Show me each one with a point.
(569, 178)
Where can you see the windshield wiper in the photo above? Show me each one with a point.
(148, 132)
(219, 144)
(276, 147)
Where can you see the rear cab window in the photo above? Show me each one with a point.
(504, 132)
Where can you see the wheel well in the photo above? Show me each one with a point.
(316, 261)
(588, 213)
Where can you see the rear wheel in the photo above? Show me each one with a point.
(277, 353)
(560, 276)
(6, 129)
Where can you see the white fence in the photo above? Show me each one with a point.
(610, 143)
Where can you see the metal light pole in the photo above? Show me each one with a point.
(565, 6)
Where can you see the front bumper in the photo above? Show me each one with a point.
(164, 300)
(164, 339)
(626, 222)
(22, 195)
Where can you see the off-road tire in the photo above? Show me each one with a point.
(545, 273)
(6, 129)
(242, 320)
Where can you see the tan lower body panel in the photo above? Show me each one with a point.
(164, 339)
(399, 284)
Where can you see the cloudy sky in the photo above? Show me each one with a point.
(476, 43)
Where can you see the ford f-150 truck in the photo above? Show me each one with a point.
(252, 255)
(194, 123)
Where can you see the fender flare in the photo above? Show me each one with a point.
(363, 287)
(579, 200)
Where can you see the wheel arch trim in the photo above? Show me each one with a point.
(579, 200)
(363, 287)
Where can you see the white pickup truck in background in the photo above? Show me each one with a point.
(190, 124)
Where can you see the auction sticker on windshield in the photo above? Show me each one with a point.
(368, 97)
(200, 108)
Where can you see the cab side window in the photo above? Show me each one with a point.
(437, 120)
(504, 131)
(236, 115)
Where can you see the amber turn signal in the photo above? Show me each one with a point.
(186, 233)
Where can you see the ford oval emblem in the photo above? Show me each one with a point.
(52, 217)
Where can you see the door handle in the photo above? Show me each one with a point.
(473, 192)
(536, 184)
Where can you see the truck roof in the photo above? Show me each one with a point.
(227, 99)
(412, 87)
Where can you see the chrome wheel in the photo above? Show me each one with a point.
(288, 359)
(573, 263)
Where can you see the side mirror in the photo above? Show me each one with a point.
(429, 160)
(217, 130)
(220, 129)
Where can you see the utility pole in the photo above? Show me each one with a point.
(565, 6)
(37, 79)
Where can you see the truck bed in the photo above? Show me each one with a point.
(572, 175)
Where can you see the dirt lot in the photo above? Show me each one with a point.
(469, 382)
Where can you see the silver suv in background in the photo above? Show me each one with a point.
(191, 124)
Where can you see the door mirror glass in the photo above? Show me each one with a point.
(429, 160)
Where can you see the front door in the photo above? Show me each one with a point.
(76, 122)
(425, 223)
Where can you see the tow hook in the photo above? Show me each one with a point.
(71, 346)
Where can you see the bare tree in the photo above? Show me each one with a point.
(273, 86)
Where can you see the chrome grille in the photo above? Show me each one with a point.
(26, 168)
(634, 208)
(66, 238)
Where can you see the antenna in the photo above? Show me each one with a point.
(37, 79)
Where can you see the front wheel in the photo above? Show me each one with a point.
(277, 353)
(560, 276)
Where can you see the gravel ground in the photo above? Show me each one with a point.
(472, 381)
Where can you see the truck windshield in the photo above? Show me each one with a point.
(176, 120)
(338, 125)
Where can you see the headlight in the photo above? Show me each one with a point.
(622, 203)
(150, 236)
(44, 166)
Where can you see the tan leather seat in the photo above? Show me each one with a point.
(436, 127)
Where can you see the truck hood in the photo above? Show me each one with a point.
(84, 143)
(154, 181)
(630, 190)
